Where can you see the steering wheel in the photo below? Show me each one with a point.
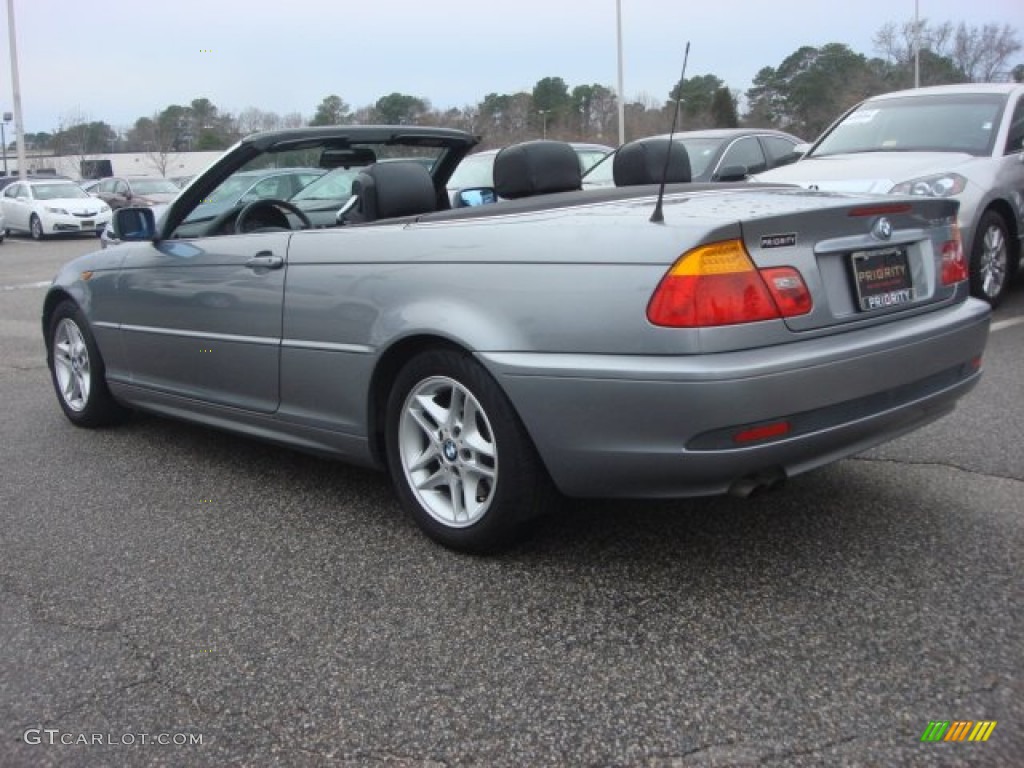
(271, 204)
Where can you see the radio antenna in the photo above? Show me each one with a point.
(657, 217)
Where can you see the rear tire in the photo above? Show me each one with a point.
(992, 263)
(77, 370)
(35, 228)
(461, 461)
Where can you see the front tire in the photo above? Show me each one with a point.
(461, 461)
(991, 260)
(35, 228)
(77, 370)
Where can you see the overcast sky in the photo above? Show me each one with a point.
(117, 60)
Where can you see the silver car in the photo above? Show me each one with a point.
(606, 342)
(964, 142)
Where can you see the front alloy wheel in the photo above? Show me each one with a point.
(36, 227)
(990, 259)
(72, 370)
(77, 370)
(461, 461)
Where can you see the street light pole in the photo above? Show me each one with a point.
(544, 119)
(622, 96)
(16, 88)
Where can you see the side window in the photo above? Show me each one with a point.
(261, 190)
(777, 149)
(746, 152)
(106, 187)
(12, 191)
(120, 188)
(302, 181)
(1015, 137)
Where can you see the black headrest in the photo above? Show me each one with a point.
(387, 190)
(643, 162)
(536, 168)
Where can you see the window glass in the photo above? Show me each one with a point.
(746, 152)
(1015, 138)
(58, 191)
(777, 148)
(931, 123)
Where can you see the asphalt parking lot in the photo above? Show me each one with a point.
(249, 605)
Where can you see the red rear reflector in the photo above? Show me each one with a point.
(880, 210)
(714, 284)
(976, 363)
(764, 432)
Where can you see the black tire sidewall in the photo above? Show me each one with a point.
(522, 490)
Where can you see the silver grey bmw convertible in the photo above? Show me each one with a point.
(658, 338)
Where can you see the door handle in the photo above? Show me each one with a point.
(265, 260)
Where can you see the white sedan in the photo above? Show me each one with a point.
(51, 207)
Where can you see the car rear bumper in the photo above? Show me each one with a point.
(641, 426)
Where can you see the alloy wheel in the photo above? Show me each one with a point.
(71, 365)
(448, 451)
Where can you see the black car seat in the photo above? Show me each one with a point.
(643, 162)
(392, 189)
(536, 168)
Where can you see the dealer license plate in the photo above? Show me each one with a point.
(882, 278)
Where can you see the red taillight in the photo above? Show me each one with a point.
(788, 289)
(717, 284)
(954, 265)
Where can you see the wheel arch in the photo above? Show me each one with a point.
(53, 299)
(384, 373)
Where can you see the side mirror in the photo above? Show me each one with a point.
(470, 198)
(134, 224)
(731, 173)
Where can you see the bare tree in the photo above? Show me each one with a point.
(983, 53)
(253, 120)
(157, 137)
(73, 137)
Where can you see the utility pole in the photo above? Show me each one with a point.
(622, 96)
(16, 88)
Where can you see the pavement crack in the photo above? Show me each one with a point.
(937, 465)
(811, 750)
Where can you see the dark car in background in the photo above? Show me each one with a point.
(121, 191)
(719, 154)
